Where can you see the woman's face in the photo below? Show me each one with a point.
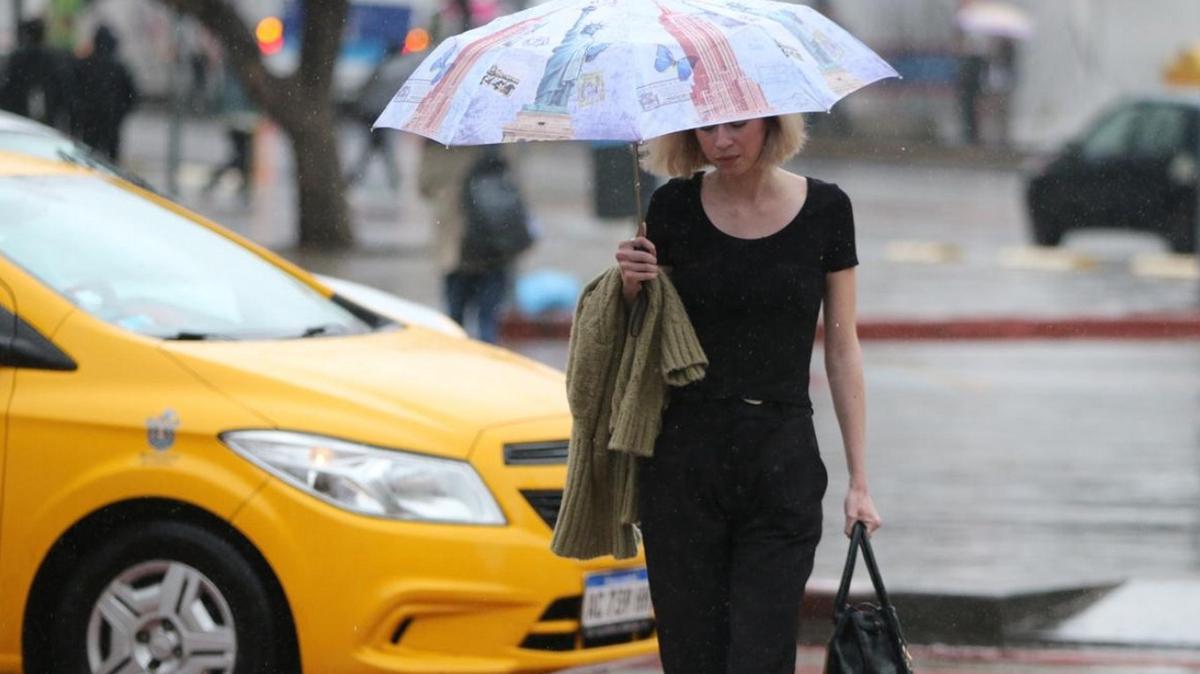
(734, 147)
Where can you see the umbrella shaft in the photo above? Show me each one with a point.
(637, 189)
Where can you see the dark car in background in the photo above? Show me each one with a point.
(1137, 167)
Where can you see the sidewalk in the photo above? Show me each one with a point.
(947, 660)
(1035, 493)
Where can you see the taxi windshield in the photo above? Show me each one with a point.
(137, 265)
(62, 148)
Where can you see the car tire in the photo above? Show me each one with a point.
(1045, 233)
(1181, 237)
(169, 593)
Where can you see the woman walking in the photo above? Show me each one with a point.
(730, 502)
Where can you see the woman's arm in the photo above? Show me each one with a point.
(844, 368)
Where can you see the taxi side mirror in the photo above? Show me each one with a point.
(25, 347)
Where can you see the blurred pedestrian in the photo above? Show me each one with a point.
(240, 117)
(38, 80)
(971, 79)
(481, 226)
(105, 95)
(385, 79)
(730, 501)
(1001, 84)
(199, 65)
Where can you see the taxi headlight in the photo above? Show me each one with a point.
(372, 481)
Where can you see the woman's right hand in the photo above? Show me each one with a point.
(638, 261)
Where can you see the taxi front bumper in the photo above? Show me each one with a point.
(379, 595)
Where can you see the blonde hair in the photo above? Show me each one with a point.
(679, 155)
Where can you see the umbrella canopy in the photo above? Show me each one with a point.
(628, 70)
(996, 19)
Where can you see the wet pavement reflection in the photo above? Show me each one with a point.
(1005, 467)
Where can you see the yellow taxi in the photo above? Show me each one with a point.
(213, 463)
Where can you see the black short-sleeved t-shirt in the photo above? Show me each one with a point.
(753, 302)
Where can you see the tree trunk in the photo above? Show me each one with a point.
(301, 104)
(323, 216)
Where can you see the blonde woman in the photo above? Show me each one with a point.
(730, 503)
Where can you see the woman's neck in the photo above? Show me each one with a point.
(755, 186)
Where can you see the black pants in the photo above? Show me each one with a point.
(730, 509)
(240, 141)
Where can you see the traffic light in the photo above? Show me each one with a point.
(269, 33)
(416, 40)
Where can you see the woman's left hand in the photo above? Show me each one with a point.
(860, 508)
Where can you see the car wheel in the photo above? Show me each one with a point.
(1181, 237)
(1045, 232)
(167, 597)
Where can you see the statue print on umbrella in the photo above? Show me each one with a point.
(578, 47)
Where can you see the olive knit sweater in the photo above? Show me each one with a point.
(617, 388)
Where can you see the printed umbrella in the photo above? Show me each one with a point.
(629, 70)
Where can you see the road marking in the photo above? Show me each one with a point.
(922, 252)
(1159, 265)
(1045, 258)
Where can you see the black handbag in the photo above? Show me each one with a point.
(866, 637)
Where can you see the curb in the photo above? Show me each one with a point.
(952, 659)
(1013, 619)
(1185, 326)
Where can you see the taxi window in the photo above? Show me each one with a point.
(137, 265)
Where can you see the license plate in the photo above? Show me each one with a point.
(616, 601)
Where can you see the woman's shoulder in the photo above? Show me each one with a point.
(676, 189)
(823, 195)
(670, 208)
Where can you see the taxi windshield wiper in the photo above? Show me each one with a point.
(195, 336)
(85, 157)
(324, 329)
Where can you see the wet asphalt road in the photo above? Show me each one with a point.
(1004, 467)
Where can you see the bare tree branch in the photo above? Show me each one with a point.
(223, 21)
(301, 104)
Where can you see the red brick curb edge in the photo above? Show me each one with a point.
(1135, 326)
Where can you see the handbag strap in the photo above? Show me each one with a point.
(858, 538)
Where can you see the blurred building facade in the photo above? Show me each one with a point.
(1082, 55)
(152, 56)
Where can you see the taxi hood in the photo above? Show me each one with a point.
(408, 389)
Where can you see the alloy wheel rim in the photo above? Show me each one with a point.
(161, 617)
